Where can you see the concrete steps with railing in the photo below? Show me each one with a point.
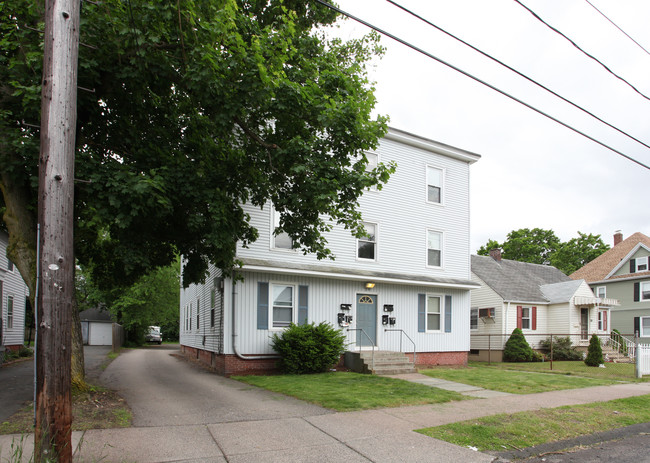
(385, 362)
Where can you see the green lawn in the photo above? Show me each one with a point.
(618, 371)
(351, 391)
(516, 382)
(526, 429)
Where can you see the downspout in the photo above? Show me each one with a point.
(234, 329)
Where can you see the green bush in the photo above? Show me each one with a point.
(308, 348)
(594, 353)
(517, 348)
(562, 348)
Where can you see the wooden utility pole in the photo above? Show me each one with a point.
(52, 440)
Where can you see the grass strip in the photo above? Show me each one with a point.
(344, 391)
(515, 382)
(526, 429)
(613, 371)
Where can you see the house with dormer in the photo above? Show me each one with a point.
(538, 299)
(405, 287)
(623, 273)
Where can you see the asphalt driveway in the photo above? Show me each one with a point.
(163, 389)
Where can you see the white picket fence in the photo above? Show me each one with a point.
(643, 359)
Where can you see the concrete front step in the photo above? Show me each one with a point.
(385, 362)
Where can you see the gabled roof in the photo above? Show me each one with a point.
(561, 292)
(517, 281)
(600, 268)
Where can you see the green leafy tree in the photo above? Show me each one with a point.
(535, 246)
(487, 247)
(577, 252)
(517, 348)
(539, 246)
(186, 111)
(594, 352)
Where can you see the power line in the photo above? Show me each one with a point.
(616, 26)
(466, 74)
(584, 52)
(517, 72)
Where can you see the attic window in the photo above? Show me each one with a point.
(641, 264)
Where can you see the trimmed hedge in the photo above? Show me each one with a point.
(308, 348)
(517, 348)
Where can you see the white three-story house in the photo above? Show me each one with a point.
(405, 287)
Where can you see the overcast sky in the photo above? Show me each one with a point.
(533, 171)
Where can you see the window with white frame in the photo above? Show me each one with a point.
(434, 248)
(641, 264)
(373, 162)
(434, 185)
(645, 327)
(10, 265)
(434, 315)
(602, 320)
(10, 312)
(367, 245)
(644, 290)
(283, 303)
(601, 291)
(473, 318)
(281, 240)
(525, 318)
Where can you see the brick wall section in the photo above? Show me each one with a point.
(229, 365)
(425, 359)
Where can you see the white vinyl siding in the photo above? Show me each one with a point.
(401, 217)
(13, 297)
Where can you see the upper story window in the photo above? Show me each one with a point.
(373, 162)
(433, 313)
(601, 291)
(641, 264)
(645, 290)
(282, 297)
(434, 248)
(10, 265)
(281, 240)
(434, 185)
(367, 245)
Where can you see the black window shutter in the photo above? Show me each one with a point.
(637, 292)
(637, 325)
(632, 265)
(421, 313)
(262, 305)
(303, 292)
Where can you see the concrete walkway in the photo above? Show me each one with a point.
(464, 389)
(384, 435)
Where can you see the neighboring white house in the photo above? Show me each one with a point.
(13, 300)
(412, 274)
(538, 299)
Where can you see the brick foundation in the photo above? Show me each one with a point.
(426, 359)
(231, 365)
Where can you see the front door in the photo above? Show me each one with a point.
(367, 320)
(584, 324)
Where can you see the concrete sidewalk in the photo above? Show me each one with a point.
(384, 435)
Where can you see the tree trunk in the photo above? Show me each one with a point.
(52, 438)
(77, 368)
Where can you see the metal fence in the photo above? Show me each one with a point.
(623, 356)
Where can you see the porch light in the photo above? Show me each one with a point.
(370, 285)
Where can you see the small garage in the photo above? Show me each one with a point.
(96, 327)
